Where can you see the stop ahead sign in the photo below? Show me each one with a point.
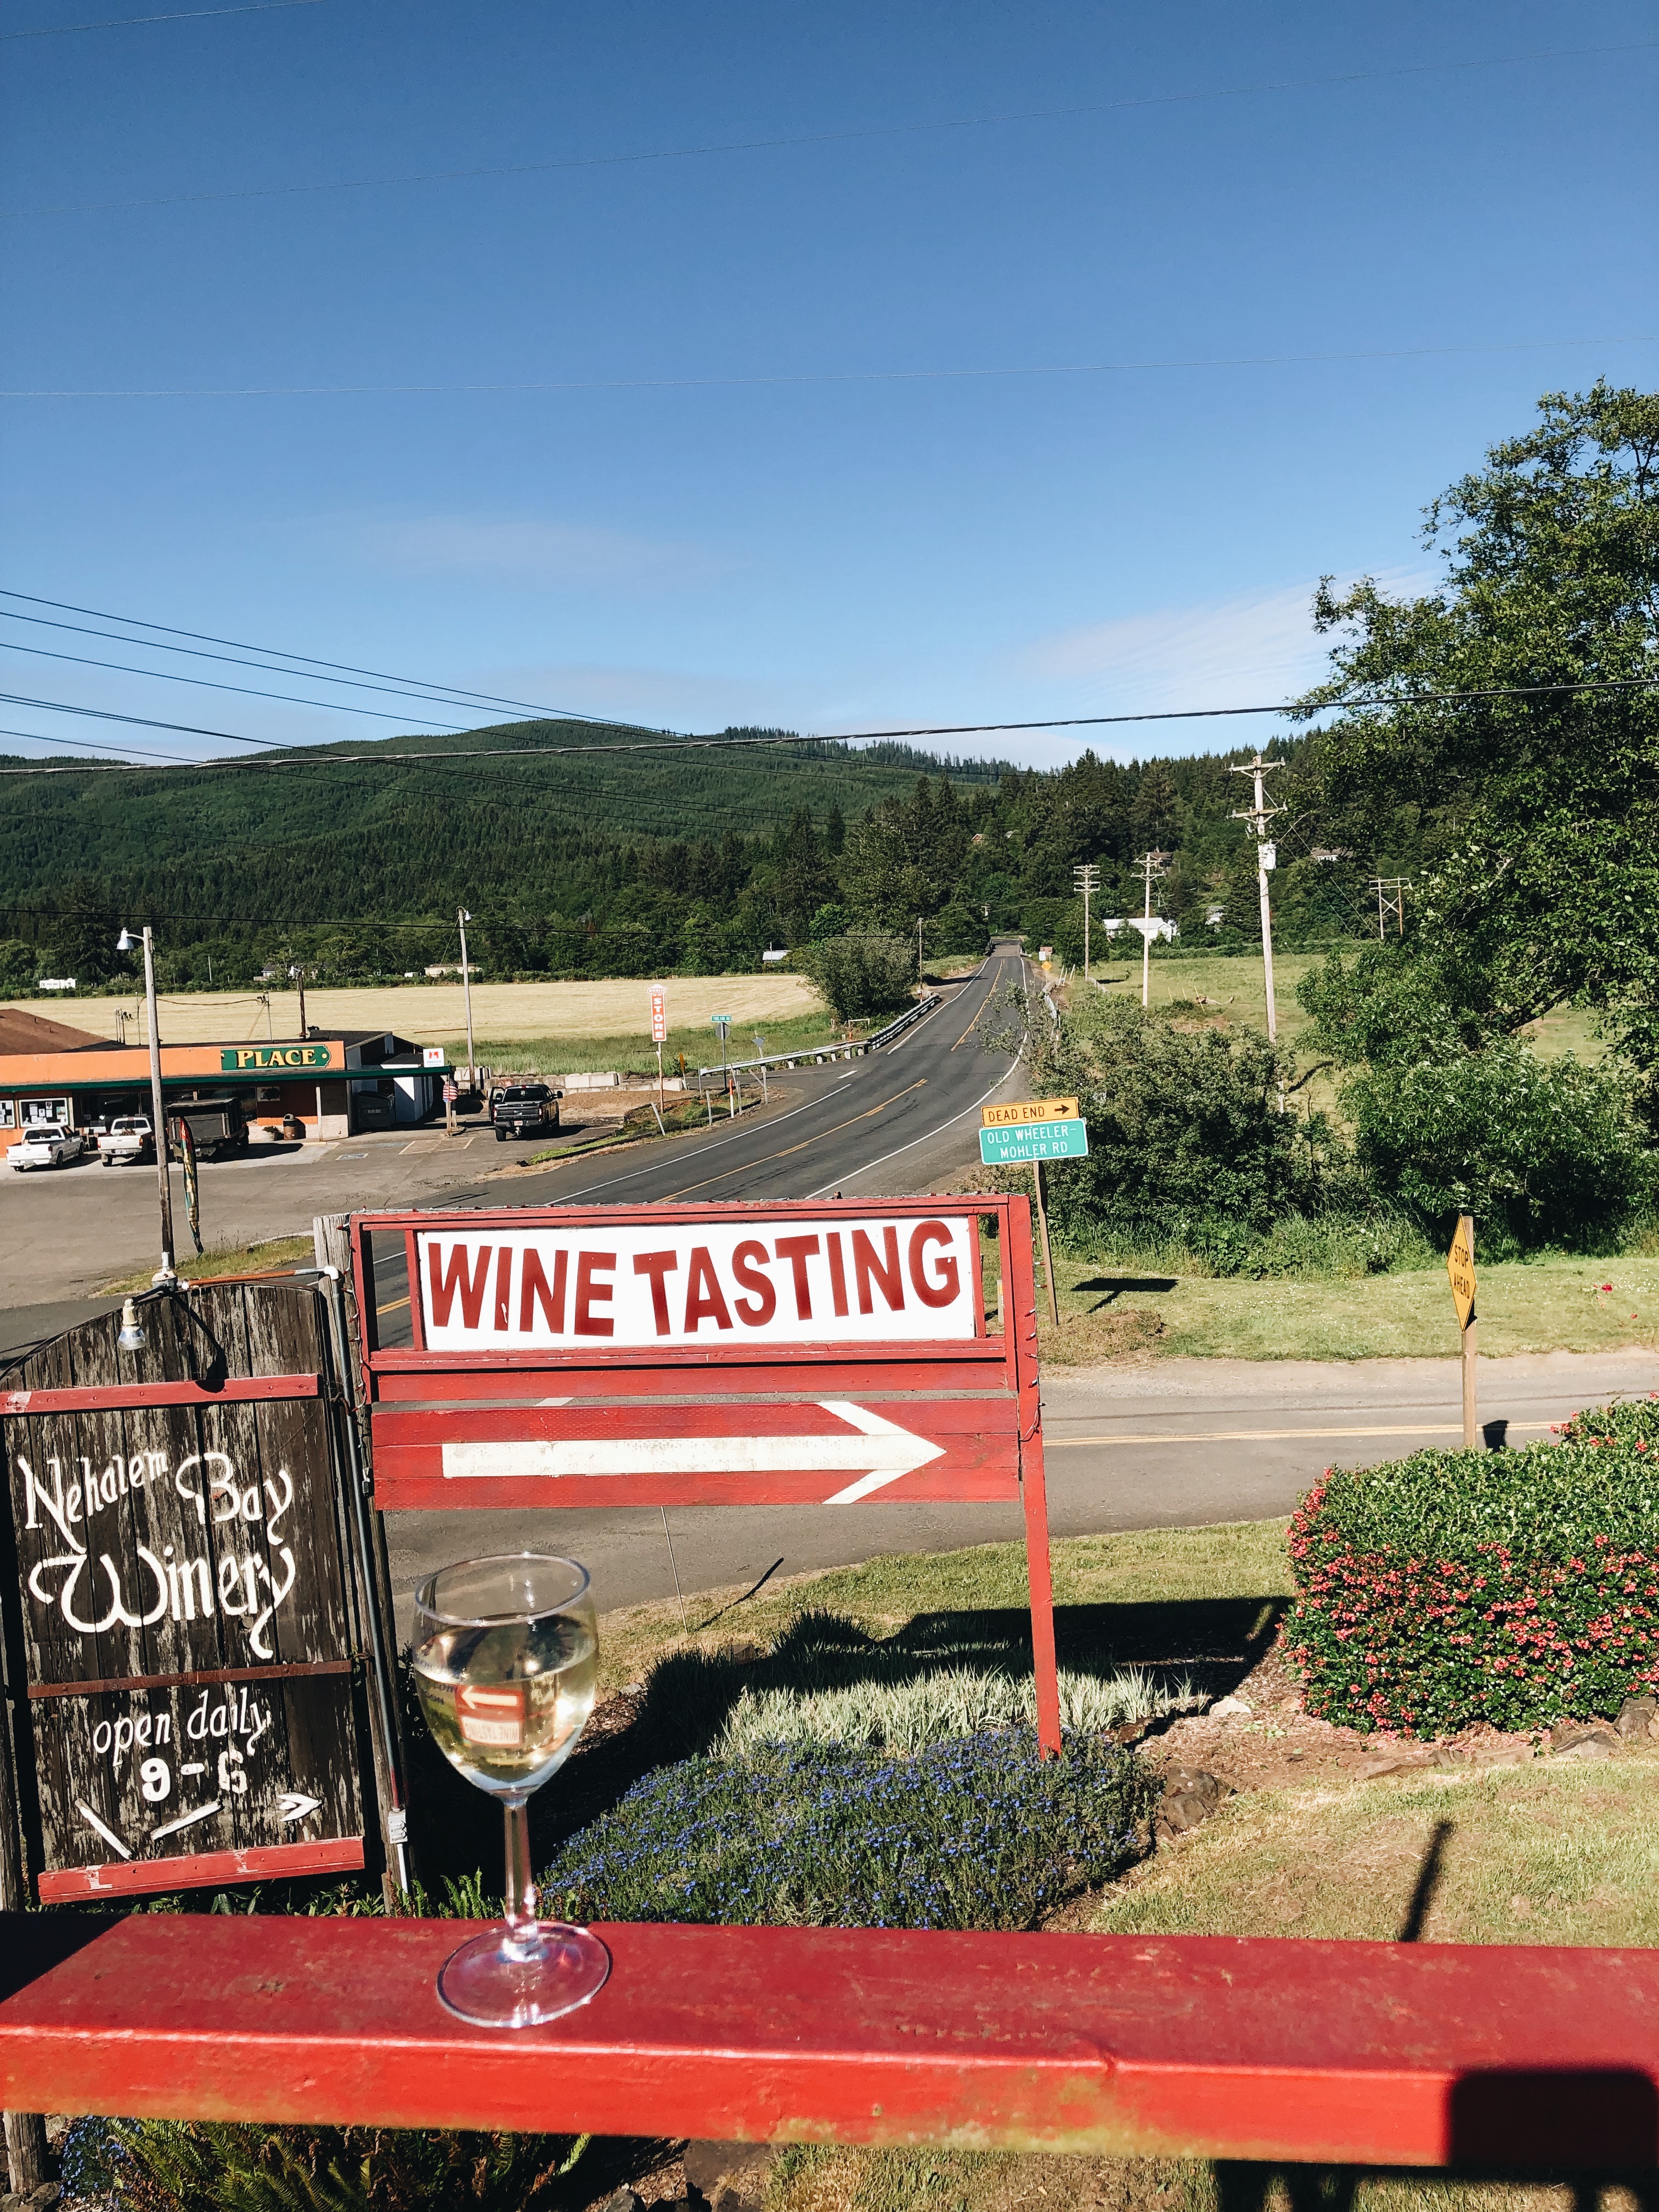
(814, 1353)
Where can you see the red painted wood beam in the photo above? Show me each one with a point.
(1428, 2055)
(141, 1397)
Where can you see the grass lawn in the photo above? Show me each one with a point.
(634, 1051)
(1534, 1305)
(276, 1256)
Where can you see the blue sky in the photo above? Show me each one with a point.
(758, 498)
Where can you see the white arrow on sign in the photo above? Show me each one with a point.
(294, 1805)
(880, 1452)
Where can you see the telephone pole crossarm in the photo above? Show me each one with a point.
(1266, 859)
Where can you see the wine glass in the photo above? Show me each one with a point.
(506, 1658)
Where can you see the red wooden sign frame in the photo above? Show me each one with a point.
(743, 1422)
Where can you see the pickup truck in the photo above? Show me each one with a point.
(216, 1125)
(127, 1138)
(524, 1109)
(47, 1144)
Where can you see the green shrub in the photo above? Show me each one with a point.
(1540, 1151)
(1186, 1135)
(1510, 1587)
(977, 1833)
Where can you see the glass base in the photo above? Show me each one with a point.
(497, 1986)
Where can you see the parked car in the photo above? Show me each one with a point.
(217, 1125)
(129, 1137)
(524, 1109)
(47, 1144)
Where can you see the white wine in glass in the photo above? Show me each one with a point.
(506, 1657)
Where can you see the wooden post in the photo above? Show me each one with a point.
(1471, 1428)
(25, 2132)
(330, 1240)
(1048, 1254)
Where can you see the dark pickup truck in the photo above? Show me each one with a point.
(524, 1109)
(216, 1125)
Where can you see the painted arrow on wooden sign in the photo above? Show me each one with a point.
(879, 1450)
(686, 1451)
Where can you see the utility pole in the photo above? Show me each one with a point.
(462, 919)
(1390, 901)
(1150, 867)
(165, 1272)
(918, 954)
(298, 975)
(1086, 876)
(1266, 859)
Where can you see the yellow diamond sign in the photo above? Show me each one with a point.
(1020, 1113)
(1460, 1266)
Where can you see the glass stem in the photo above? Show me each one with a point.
(522, 1933)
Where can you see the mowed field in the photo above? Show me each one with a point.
(433, 1013)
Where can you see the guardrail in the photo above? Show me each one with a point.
(819, 1054)
(1274, 2050)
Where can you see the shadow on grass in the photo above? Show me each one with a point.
(1115, 1286)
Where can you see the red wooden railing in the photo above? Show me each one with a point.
(1370, 2054)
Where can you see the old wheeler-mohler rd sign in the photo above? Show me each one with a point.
(182, 1598)
(813, 1353)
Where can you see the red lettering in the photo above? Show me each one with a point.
(886, 1271)
(445, 1284)
(503, 1285)
(837, 1272)
(797, 1250)
(590, 1294)
(658, 1266)
(704, 1299)
(533, 1291)
(746, 1264)
(939, 1293)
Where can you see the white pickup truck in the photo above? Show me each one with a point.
(127, 1138)
(46, 1145)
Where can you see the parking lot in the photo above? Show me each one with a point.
(67, 1231)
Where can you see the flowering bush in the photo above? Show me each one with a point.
(975, 1833)
(1511, 1587)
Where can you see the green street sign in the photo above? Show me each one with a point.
(1036, 1140)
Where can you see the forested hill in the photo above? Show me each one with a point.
(616, 862)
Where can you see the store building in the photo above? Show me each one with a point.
(333, 1087)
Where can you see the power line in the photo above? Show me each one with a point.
(183, 15)
(102, 745)
(816, 376)
(440, 694)
(145, 721)
(244, 690)
(313, 756)
(811, 138)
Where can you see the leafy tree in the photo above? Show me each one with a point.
(862, 974)
(1540, 1151)
(1536, 813)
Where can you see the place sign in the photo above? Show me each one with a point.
(245, 1058)
(1018, 1111)
(182, 1603)
(1034, 1140)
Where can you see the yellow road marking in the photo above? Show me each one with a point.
(869, 1114)
(1273, 1436)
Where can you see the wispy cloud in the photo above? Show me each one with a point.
(529, 550)
(1252, 650)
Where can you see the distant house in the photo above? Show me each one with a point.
(1330, 853)
(773, 954)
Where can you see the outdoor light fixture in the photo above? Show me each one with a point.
(132, 1337)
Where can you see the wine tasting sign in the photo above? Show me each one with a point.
(182, 1600)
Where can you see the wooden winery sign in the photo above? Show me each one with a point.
(182, 1599)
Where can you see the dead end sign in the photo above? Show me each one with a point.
(826, 1352)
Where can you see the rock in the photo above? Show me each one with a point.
(1189, 1796)
(1393, 1762)
(1229, 1709)
(43, 2198)
(729, 2177)
(624, 2200)
(1593, 1740)
(1639, 1718)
